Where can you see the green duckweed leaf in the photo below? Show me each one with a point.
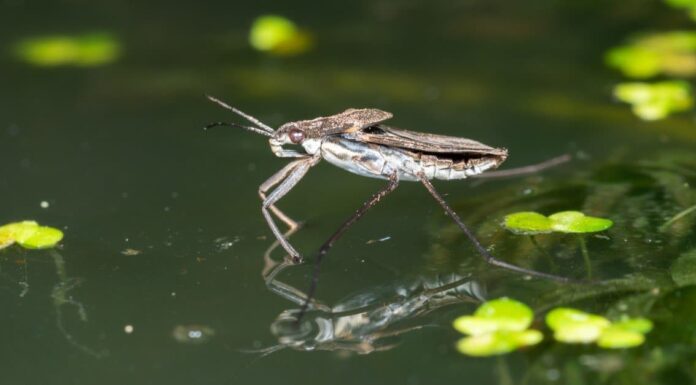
(510, 315)
(681, 3)
(688, 5)
(577, 222)
(616, 337)
(475, 326)
(574, 326)
(529, 223)
(18, 231)
(498, 342)
(278, 35)
(30, 235)
(638, 325)
(502, 314)
(92, 49)
(653, 101)
(581, 333)
(5, 241)
(635, 62)
(44, 237)
(652, 54)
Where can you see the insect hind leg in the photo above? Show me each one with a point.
(479, 247)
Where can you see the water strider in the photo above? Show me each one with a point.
(356, 141)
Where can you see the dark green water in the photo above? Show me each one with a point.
(163, 224)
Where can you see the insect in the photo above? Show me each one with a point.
(357, 141)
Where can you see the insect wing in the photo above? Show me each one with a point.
(425, 142)
(351, 120)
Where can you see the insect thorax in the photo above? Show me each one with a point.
(312, 145)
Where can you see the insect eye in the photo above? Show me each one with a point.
(296, 136)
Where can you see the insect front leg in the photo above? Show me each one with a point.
(293, 225)
(287, 291)
(479, 247)
(274, 180)
(286, 179)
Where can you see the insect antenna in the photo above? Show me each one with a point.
(248, 117)
(248, 128)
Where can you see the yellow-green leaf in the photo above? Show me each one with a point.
(91, 49)
(278, 35)
(506, 313)
(29, 234)
(577, 222)
(616, 337)
(43, 237)
(19, 231)
(528, 222)
(653, 101)
(575, 326)
(474, 326)
(639, 325)
(499, 342)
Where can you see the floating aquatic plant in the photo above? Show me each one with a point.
(30, 235)
(278, 35)
(532, 223)
(575, 326)
(670, 53)
(498, 326)
(688, 5)
(653, 101)
(92, 49)
(529, 222)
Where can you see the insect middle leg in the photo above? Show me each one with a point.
(324, 249)
(286, 179)
(479, 247)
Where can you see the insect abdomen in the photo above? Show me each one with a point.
(451, 168)
(377, 161)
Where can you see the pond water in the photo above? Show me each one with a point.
(159, 278)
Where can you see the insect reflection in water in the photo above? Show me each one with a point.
(367, 321)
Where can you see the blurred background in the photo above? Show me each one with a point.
(159, 276)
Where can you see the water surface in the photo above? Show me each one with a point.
(163, 224)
